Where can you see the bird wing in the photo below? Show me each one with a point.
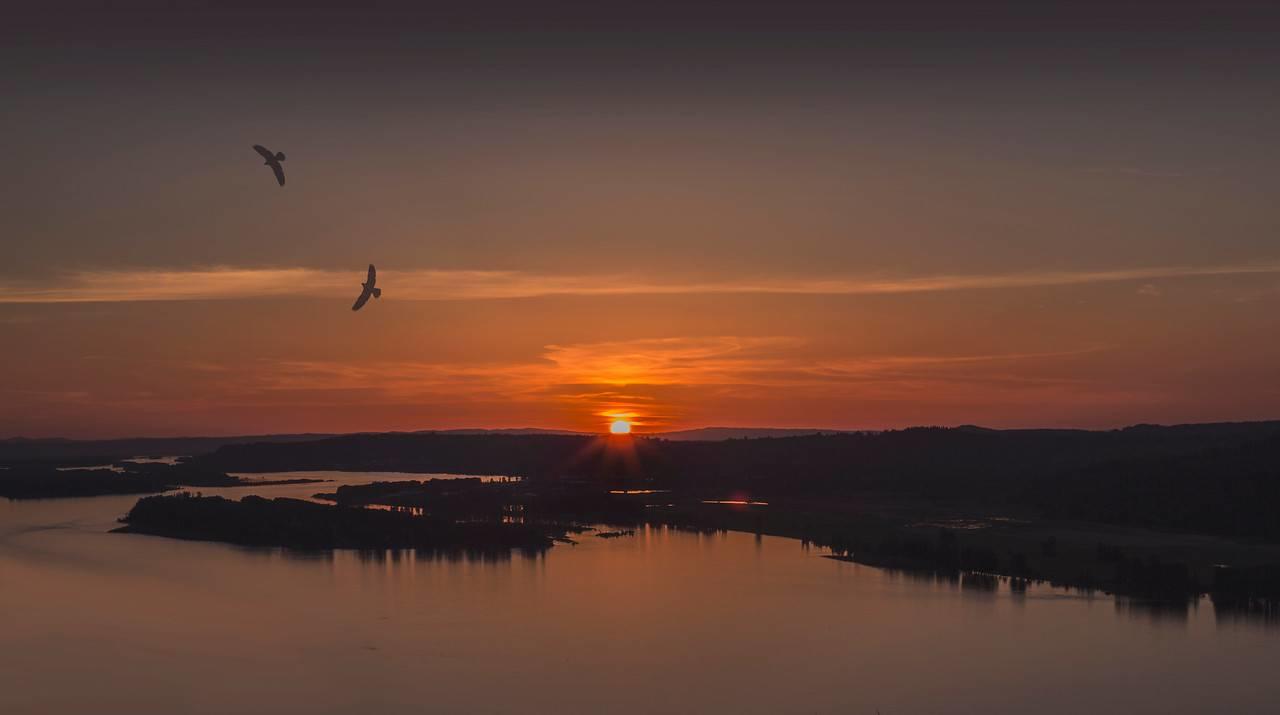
(263, 151)
(364, 298)
(373, 276)
(279, 170)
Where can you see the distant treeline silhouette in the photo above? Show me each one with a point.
(551, 501)
(1214, 478)
(884, 534)
(1227, 490)
(297, 524)
(68, 452)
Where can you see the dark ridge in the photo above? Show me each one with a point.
(68, 452)
(19, 449)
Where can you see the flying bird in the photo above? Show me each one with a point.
(369, 290)
(272, 160)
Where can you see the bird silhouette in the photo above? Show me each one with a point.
(272, 160)
(369, 290)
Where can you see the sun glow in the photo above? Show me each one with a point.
(620, 427)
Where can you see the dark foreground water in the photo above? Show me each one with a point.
(92, 622)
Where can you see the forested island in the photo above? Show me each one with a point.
(946, 540)
(298, 524)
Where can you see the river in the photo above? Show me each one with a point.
(660, 622)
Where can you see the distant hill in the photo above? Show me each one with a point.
(504, 430)
(23, 449)
(19, 449)
(701, 434)
(716, 434)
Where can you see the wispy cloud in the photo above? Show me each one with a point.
(157, 285)
(668, 360)
(232, 283)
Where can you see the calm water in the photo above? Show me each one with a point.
(659, 622)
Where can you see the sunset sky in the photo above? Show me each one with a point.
(786, 215)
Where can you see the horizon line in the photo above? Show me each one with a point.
(570, 432)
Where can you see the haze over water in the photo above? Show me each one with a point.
(660, 622)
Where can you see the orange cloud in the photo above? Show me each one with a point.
(230, 283)
(659, 383)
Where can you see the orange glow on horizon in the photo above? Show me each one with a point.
(784, 373)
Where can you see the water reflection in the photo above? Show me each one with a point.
(93, 621)
(1250, 611)
(1157, 610)
(476, 556)
(980, 582)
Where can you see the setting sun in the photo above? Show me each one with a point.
(620, 427)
